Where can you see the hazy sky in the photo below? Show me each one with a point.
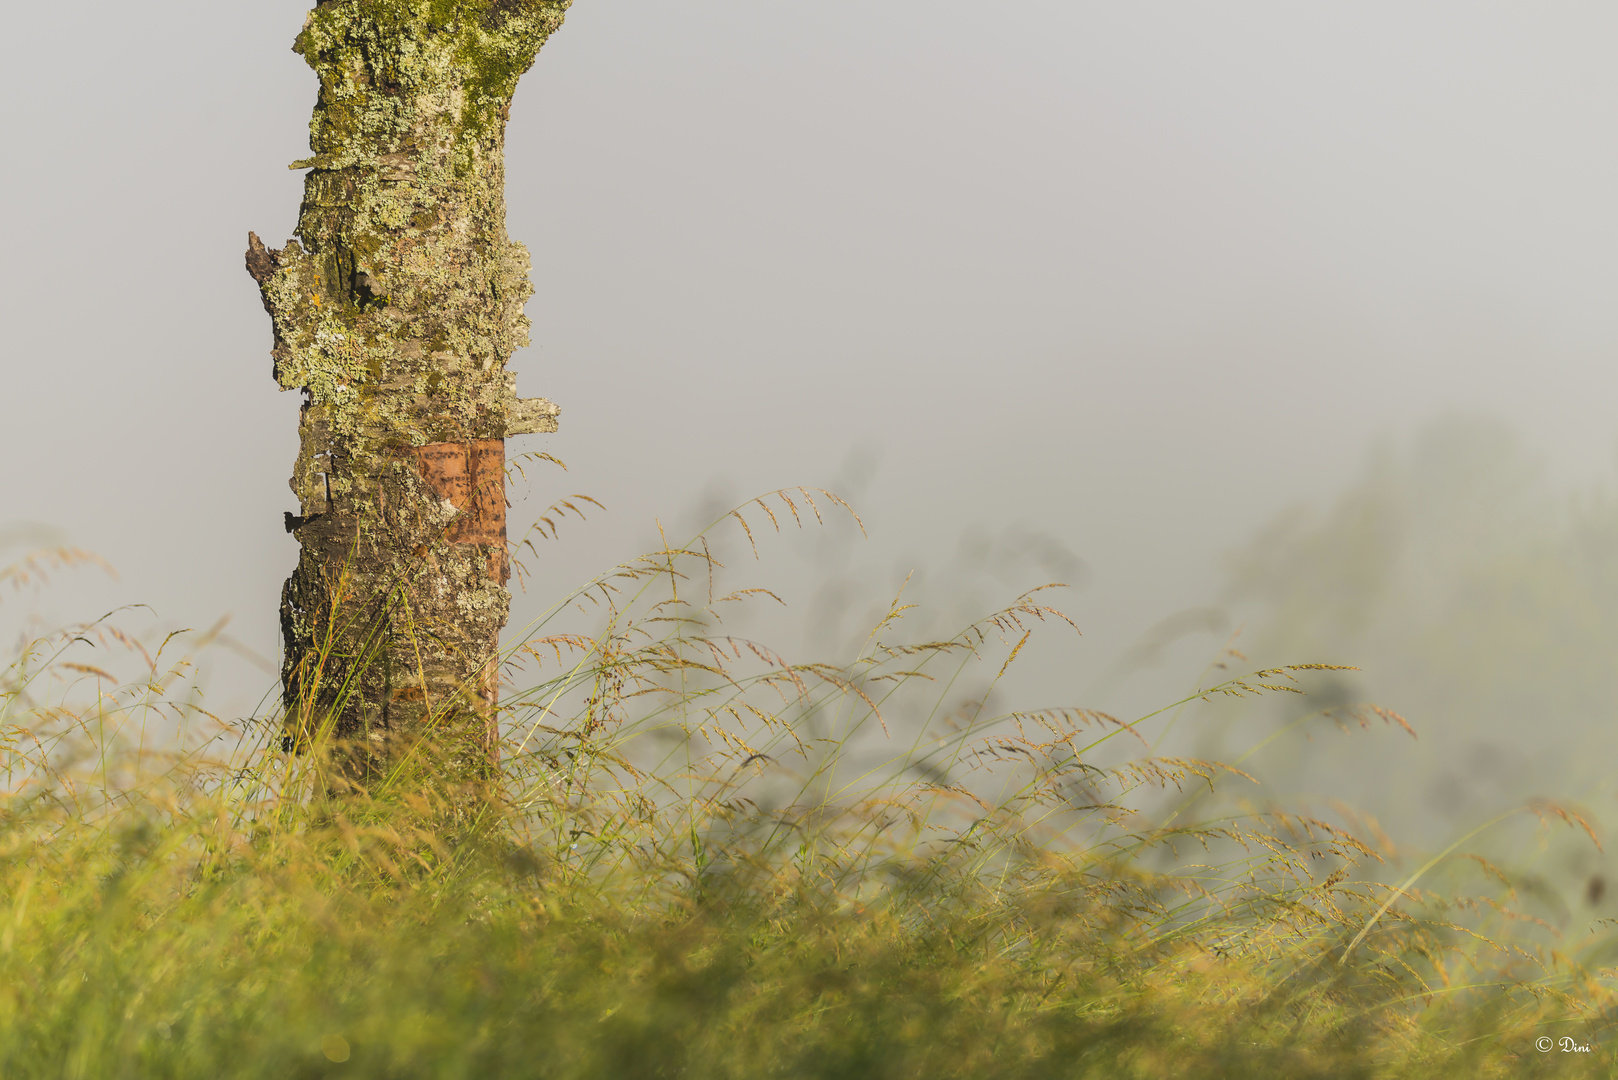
(1134, 275)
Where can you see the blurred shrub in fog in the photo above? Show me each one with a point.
(1479, 598)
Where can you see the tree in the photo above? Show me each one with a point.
(395, 311)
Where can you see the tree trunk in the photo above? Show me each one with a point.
(396, 315)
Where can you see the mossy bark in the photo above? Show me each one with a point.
(395, 312)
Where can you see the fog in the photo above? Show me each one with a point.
(1155, 298)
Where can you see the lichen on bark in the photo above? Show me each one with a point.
(395, 312)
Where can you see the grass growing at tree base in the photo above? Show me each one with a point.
(690, 868)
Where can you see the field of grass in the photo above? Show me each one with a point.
(701, 859)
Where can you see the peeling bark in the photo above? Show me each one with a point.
(395, 311)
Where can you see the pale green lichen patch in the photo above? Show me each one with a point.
(403, 214)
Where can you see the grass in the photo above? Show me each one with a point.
(703, 860)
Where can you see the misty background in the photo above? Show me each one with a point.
(1292, 320)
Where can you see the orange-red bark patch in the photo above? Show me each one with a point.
(472, 476)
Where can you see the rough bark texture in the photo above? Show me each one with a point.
(395, 312)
